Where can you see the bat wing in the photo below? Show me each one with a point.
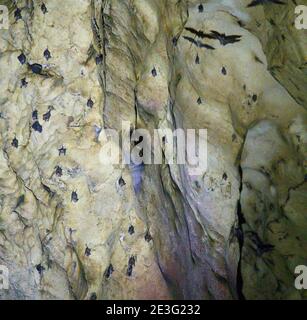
(206, 46)
(215, 34)
(278, 2)
(232, 39)
(192, 30)
(190, 40)
(203, 35)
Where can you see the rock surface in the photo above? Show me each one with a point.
(72, 228)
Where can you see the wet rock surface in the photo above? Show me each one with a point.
(73, 228)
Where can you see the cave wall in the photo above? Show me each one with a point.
(73, 228)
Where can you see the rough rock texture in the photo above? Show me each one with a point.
(72, 228)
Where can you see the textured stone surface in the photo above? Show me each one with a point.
(66, 219)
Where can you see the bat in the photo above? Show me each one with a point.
(223, 39)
